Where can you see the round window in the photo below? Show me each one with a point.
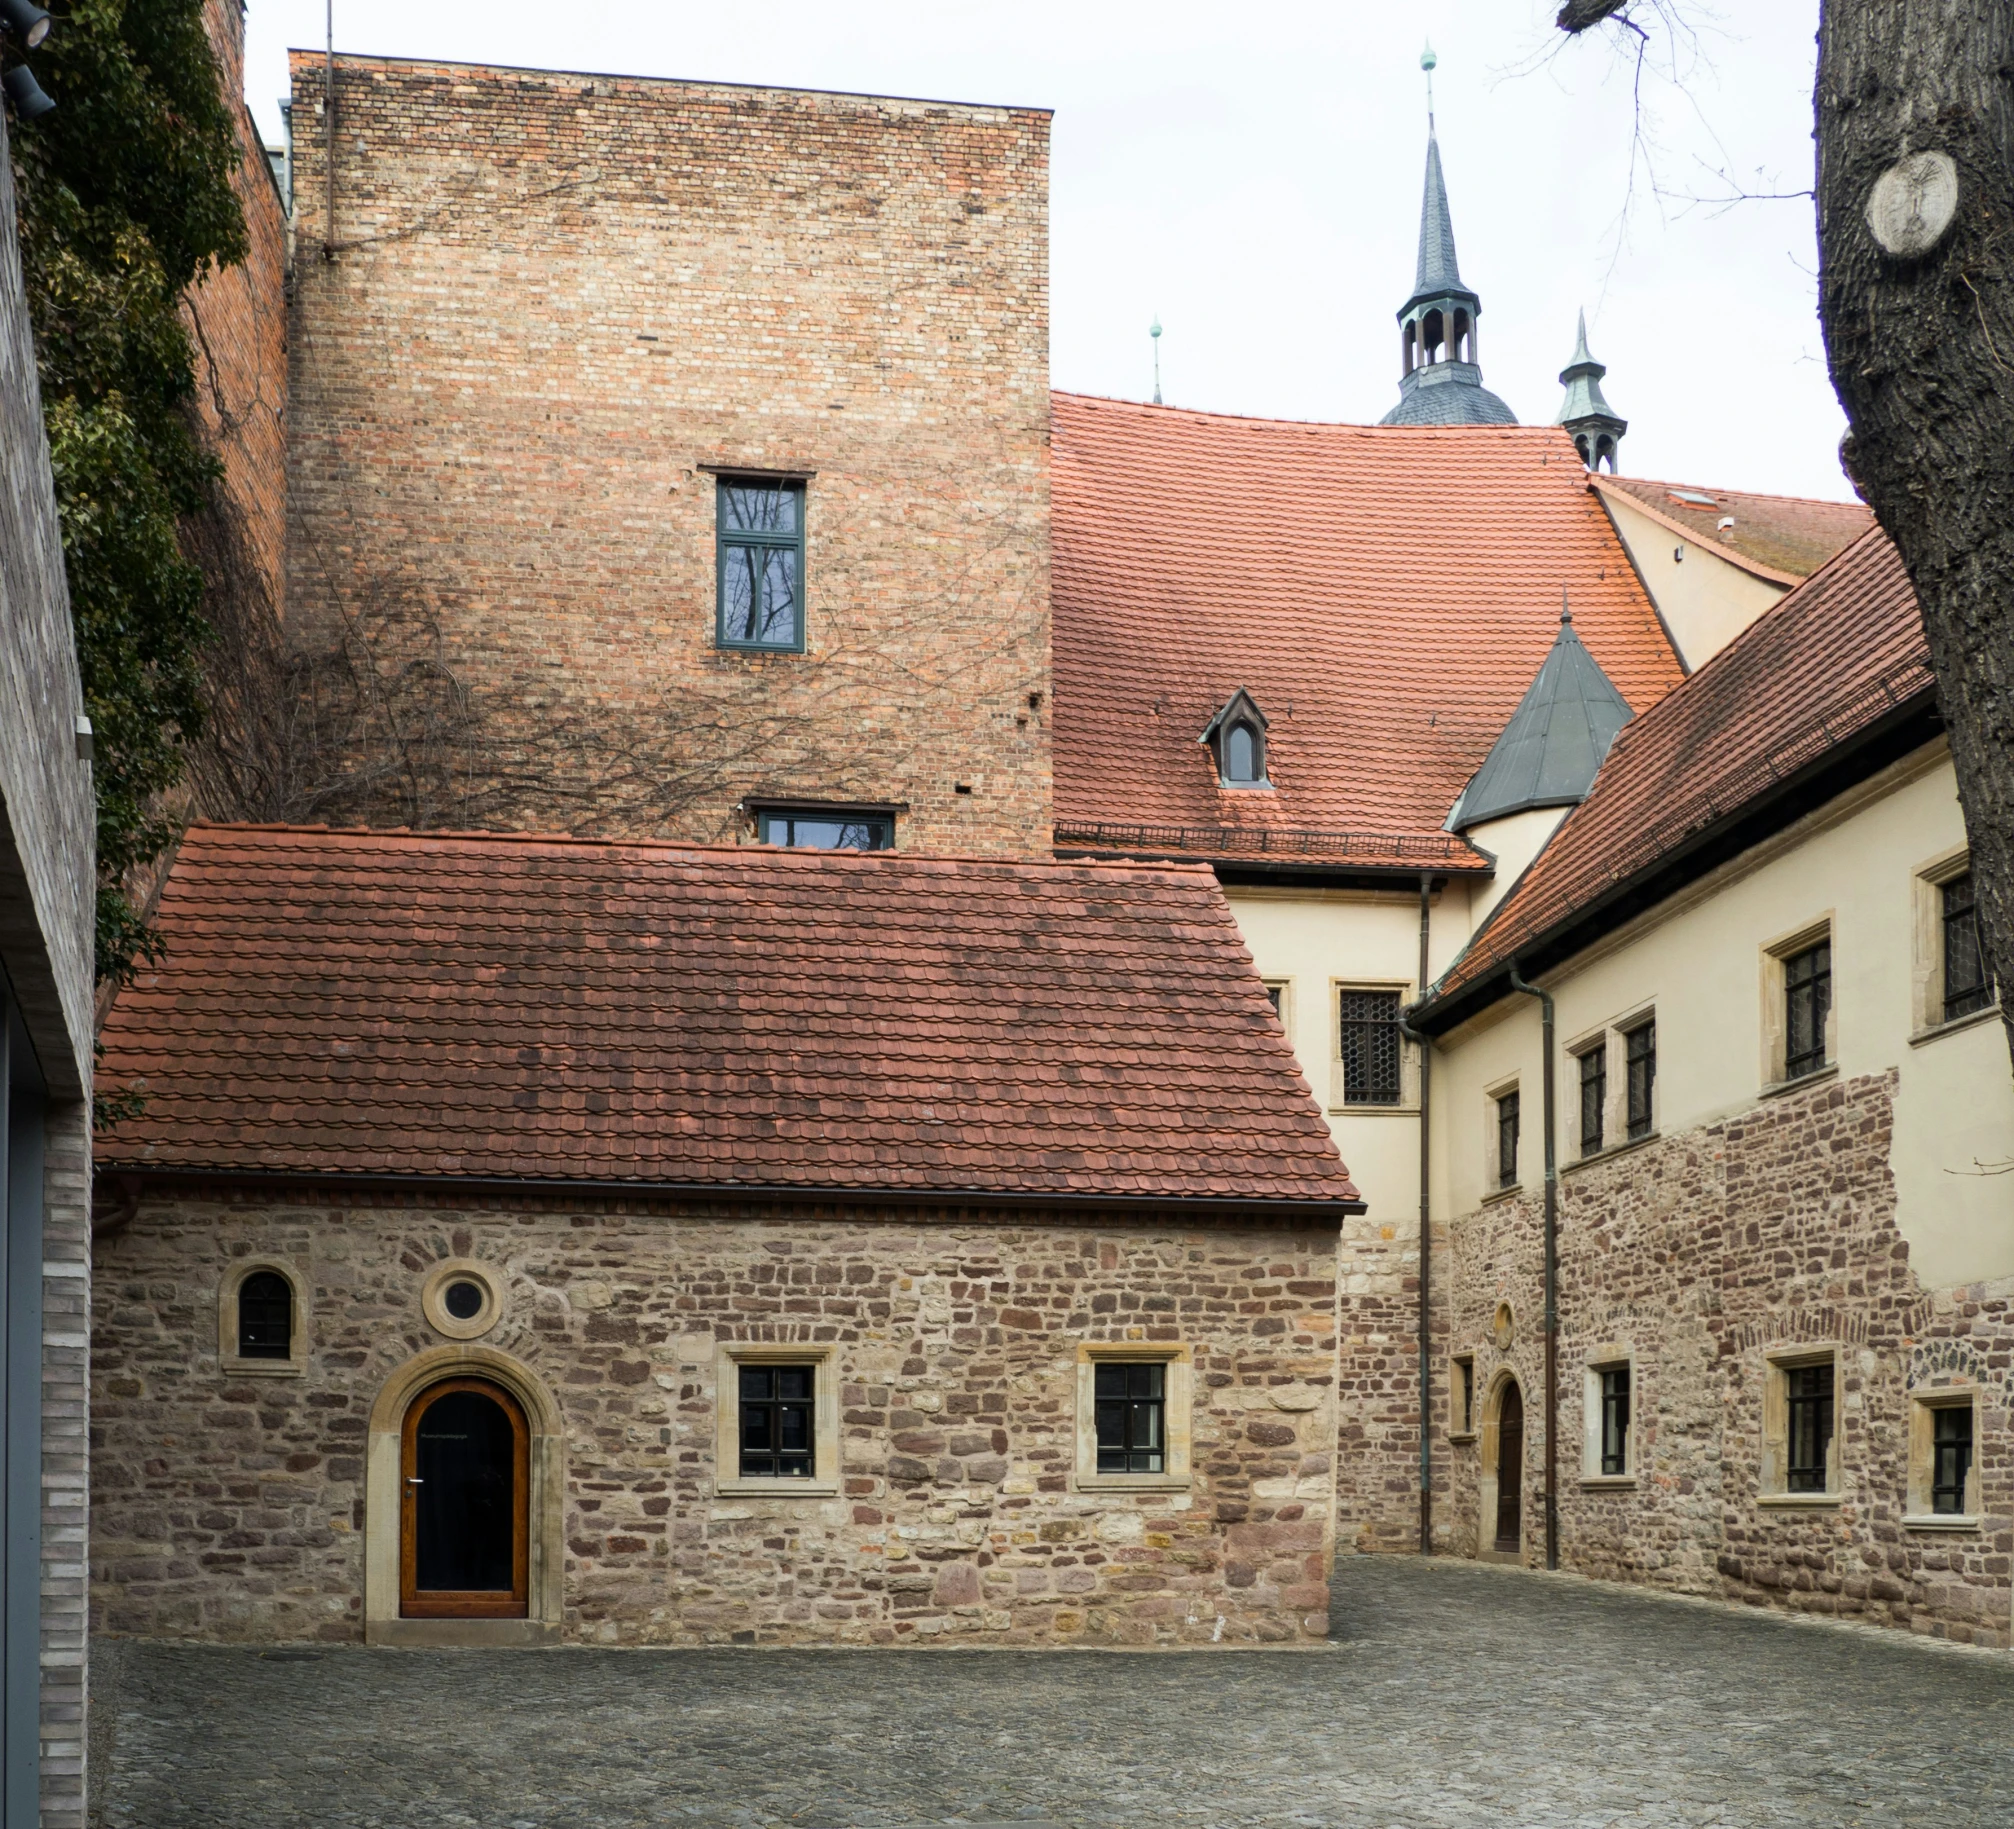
(463, 1300)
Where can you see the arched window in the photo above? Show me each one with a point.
(1241, 755)
(1458, 350)
(265, 1316)
(1236, 737)
(1433, 333)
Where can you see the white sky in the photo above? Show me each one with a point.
(1252, 174)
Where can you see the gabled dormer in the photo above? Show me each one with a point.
(1236, 737)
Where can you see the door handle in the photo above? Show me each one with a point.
(412, 1481)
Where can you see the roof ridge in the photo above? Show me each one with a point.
(1766, 495)
(1323, 425)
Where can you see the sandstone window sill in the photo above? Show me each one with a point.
(1375, 1111)
(1607, 1482)
(1497, 1195)
(1610, 1154)
(1800, 1501)
(1462, 1437)
(776, 1489)
(1943, 1521)
(1777, 1089)
(265, 1368)
(1134, 1482)
(1938, 1030)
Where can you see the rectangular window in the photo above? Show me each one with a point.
(1274, 992)
(1965, 984)
(759, 534)
(777, 1432)
(1615, 1419)
(1369, 1034)
(1507, 1135)
(1950, 1457)
(1462, 1398)
(1807, 1002)
(1808, 1389)
(819, 830)
(1640, 1063)
(1593, 1097)
(1132, 1416)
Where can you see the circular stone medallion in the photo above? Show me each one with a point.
(1912, 204)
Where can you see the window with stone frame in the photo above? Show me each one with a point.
(1801, 1449)
(1462, 1396)
(1592, 1068)
(1964, 980)
(1614, 1392)
(778, 1429)
(262, 1320)
(1639, 1055)
(1609, 1415)
(777, 1419)
(1134, 1403)
(1943, 1458)
(1807, 1003)
(1508, 1123)
(1370, 1048)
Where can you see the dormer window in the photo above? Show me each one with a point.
(1236, 736)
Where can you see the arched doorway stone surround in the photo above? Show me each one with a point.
(1489, 1448)
(545, 1504)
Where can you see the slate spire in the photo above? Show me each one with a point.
(1585, 412)
(1555, 741)
(1437, 270)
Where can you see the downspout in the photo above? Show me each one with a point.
(1551, 1275)
(329, 137)
(1426, 1049)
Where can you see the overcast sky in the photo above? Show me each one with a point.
(1252, 174)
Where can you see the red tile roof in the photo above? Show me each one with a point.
(380, 1003)
(1386, 593)
(1783, 537)
(1835, 658)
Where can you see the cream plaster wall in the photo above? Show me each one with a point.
(1513, 842)
(1698, 961)
(1705, 599)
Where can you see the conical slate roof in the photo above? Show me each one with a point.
(1437, 272)
(1447, 393)
(1555, 741)
(1582, 379)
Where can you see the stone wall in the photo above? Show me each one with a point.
(1696, 1254)
(548, 309)
(230, 1507)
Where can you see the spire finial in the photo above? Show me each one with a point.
(1427, 62)
(1565, 610)
(1154, 331)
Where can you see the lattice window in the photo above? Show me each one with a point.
(1640, 1065)
(1507, 1139)
(1593, 1097)
(1807, 1002)
(1966, 986)
(1370, 1040)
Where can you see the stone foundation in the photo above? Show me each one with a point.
(233, 1507)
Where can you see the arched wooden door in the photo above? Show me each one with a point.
(464, 1542)
(1510, 1468)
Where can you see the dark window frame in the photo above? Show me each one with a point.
(1225, 738)
(1951, 1452)
(1810, 1408)
(1375, 1041)
(1593, 1072)
(882, 824)
(1615, 1385)
(730, 540)
(260, 1334)
(1639, 1050)
(1968, 986)
(1129, 1400)
(775, 1408)
(1510, 1122)
(1462, 1397)
(1807, 1008)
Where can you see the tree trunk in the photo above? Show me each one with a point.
(1922, 353)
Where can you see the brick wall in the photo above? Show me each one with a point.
(1698, 1253)
(551, 301)
(231, 1508)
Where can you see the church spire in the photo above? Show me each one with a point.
(1440, 382)
(1585, 412)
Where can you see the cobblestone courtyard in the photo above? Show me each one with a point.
(1455, 1696)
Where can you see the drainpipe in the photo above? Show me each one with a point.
(1426, 1049)
(1551, 1276)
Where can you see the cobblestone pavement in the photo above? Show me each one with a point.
(1455, 1696)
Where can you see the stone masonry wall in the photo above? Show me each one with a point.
(232, 1508)
(548, 305)
(1695, 1253)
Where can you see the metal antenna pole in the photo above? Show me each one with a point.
(1154, 331)
(1427, 62)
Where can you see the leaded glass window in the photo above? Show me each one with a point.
(1615, 1419)
(760, 535)
(1132, 1402)
(265, 1316)
(1640, 1064)
(776, 1422)
(1950, 1457)
(823, 831)
(1809, 1395)
(1807, 1001)
(1507, 1139)
(1965, 983)
(1593, 1097)
(1369, 1035)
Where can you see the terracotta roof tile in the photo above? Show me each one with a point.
(1833, 657)
(497, 1006)
(1787, 537)
(1386, 593)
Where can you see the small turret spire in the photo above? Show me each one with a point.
(1427, 62)
(1597, 428)
(1154, 331)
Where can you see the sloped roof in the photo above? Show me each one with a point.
(482, 1006)
(1789, 536)
(1582, 380)
(1826, 665)
(1447, 393)
(1555, 740)
(1386, 594)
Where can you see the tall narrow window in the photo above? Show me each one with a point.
(1462, 1398)
(1615, 1419)
(265, 1316)
(759, 530)
(1807, 1001)
(1593, 1097)
(1369, 1037)
(1965, 983)
(1132, 1402)
(1507, 1138)
(1950, 1457)
(1809, 1396)
(1640, 1063)
(776, 1422)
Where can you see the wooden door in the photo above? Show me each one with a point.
(464, 1546)
(1510, 1468)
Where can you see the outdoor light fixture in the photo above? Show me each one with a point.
(25, 92)
(26, 21)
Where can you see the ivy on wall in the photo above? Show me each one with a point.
(125, 200)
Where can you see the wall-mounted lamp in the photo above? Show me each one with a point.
(30, 100)
(30, 25)
(27, 22)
